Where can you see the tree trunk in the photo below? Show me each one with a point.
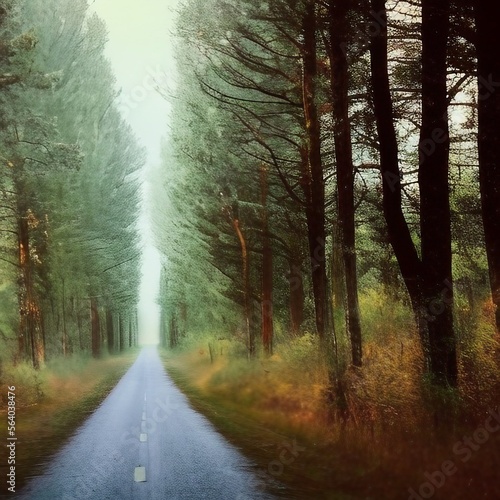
(174, 337)
(136, 323)
(488, 61)
(80, 332)
(96, 328)
(110, 331)
(121, 333)
(297, 296)
(267, 270)
(183, 315)
(30, 328)
(398, 230)
(312, 171)
(64, 339)
(135, 341)
(130, 333)
(435, 217)
(246, 287)
(345, 168)
(439, 355)
(337, 271)
(163, 328)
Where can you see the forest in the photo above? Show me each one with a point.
(332, 171)
(327, 210)
(70, 190)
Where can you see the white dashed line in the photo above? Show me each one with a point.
(143, 437)
(140, 474)
(143, 415)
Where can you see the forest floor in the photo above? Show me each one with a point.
(68, 392)
(304, 454)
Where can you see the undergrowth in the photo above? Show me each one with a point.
(396, 421)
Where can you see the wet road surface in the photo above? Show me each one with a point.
(146, 442)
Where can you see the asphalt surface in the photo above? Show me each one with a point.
(146, 442)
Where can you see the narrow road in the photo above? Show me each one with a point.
(146, 442)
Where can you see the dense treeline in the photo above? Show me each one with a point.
(327, 153)
(69, 261)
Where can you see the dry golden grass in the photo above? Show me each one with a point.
(66, 392)
(398, 428)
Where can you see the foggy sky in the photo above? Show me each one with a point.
(140, 51)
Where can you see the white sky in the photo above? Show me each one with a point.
(140, 50)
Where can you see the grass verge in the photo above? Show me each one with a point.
(295, 463)
(271, 410)
(68, 392)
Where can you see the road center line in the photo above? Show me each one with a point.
(140, 474)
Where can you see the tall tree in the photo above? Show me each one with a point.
(429, 278)
(339, 74)
(312, 180)
(488, 69)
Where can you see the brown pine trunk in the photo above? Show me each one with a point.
(31, 336)
(312, 171)
(488, 61)
(30, 328)
(397, 227)
(245, 271)
(267, 270)
(345, 168)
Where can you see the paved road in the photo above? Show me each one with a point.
(146, 442)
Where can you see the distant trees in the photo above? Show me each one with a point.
(69, 184)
